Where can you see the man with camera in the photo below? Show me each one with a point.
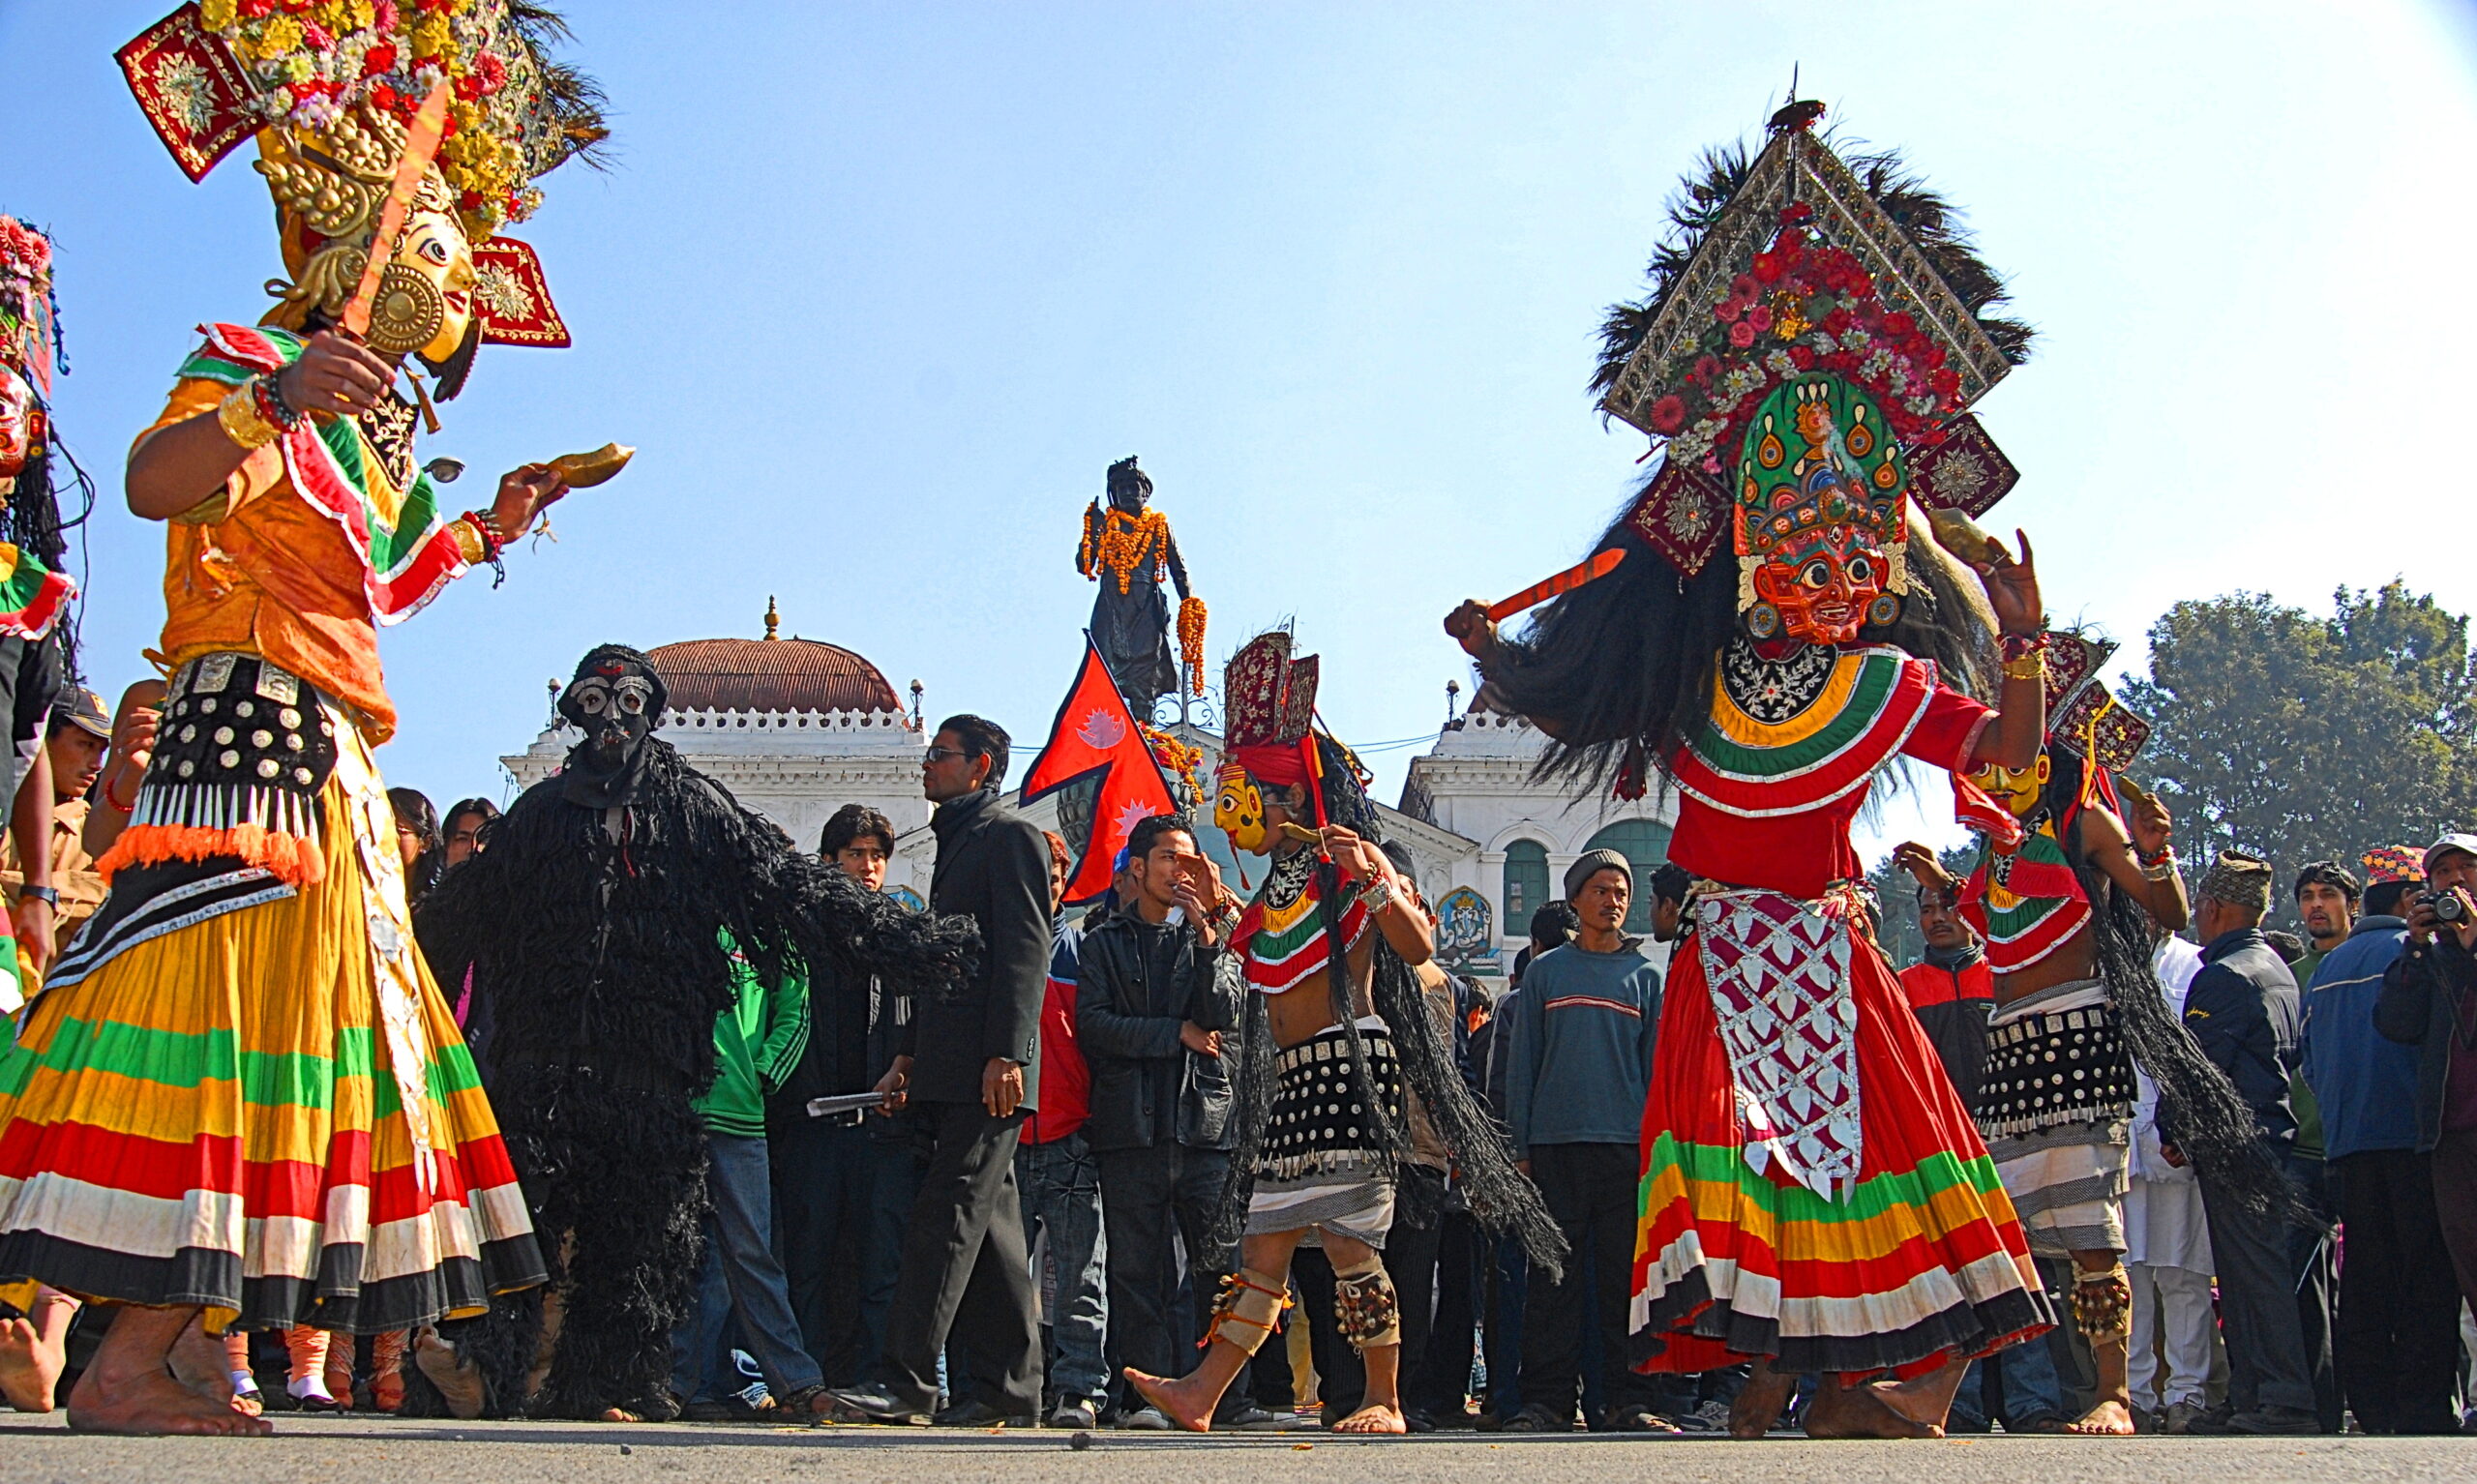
(2396, 1337)
(2429, 1001)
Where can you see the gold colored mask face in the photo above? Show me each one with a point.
(2018, 789)
(434, 249)
(1239, 812)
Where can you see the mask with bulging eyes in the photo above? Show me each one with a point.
(615, 707)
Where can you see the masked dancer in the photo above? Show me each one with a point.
(2064, 893)
(615, 910)
(1336, 1029)
(1814, 1198)
(240, 1099)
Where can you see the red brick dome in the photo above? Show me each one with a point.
(770, 675)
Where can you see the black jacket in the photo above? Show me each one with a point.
(2242, 1009)
(993, 866)
(2421, 992)
(1132, 1046)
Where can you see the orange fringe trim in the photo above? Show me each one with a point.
(294, 861)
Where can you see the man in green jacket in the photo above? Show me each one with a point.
(757, 1043)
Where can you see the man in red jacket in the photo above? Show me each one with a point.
(1060, 1184)
(1951, 992)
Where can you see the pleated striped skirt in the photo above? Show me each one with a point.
(256, 1100)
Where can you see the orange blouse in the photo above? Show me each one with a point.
(258, 571)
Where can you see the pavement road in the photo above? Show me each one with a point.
(41, 1450)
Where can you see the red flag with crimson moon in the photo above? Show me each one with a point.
(1094, 733)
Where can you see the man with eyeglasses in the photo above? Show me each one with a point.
(970, 1068)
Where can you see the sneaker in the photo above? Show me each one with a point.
(1146, 1419)
(2274, 1422)
(1713, 1416)
(1075, 1412)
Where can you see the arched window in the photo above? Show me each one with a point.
(1526, 883)
(1644, 843)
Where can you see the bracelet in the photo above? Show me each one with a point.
(238, 415)
(484, 528)
(1378, 897)
(111, 799)
(273, 405)
(2029, 666)
(2015, 645)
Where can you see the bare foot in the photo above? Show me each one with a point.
(29, 1368)
(457, 1381)
(2108, 1419)
(1183, 1400)
(1759, 1405)
(199, 1361)
(152, 1402)
(1860, 1412)
(1373, 1419)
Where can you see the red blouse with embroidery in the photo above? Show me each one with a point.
(1770, 781)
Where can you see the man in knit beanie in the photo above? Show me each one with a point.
(1579, 1062)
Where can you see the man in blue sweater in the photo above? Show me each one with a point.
(2397, 1340)
(1579, 1064)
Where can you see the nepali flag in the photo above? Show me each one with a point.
(1095, 734)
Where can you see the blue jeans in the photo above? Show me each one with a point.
(838, 1184)
(1061, 1185)
(739, 1279)
(2018, 1386)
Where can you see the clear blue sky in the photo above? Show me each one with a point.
(880, 289)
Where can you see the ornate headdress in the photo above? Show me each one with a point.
(2082, 713)
(1813, 337)
(327, 87)
(33, 595)
(1269, 732)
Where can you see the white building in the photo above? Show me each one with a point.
(796, 729)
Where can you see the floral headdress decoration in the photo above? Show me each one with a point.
(29, 313)
(1812, 340)
(328, 87)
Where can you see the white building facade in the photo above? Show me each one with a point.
(796, 729)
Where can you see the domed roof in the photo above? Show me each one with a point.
(770, 675)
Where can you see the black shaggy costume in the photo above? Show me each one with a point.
(596, 936)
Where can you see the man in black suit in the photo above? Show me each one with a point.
(969, 1070)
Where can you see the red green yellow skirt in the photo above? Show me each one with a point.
(216, 1113)
(1921, 1261)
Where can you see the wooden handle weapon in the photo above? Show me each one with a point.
(421, 147)
(1566, 581)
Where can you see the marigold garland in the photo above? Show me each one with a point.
(1124, 545)
(1191, 642)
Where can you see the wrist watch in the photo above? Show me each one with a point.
(43, 894)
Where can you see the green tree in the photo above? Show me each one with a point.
(2299, 737)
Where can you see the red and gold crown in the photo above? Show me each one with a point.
(327, 87)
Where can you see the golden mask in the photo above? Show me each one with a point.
(328, 189)
(1239, 811)
(2018, 789)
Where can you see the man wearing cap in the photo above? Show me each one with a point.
(75, 741)
(2241, 1010)
(2397, 1337)
(1579, 1065)
(2429, 1001)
